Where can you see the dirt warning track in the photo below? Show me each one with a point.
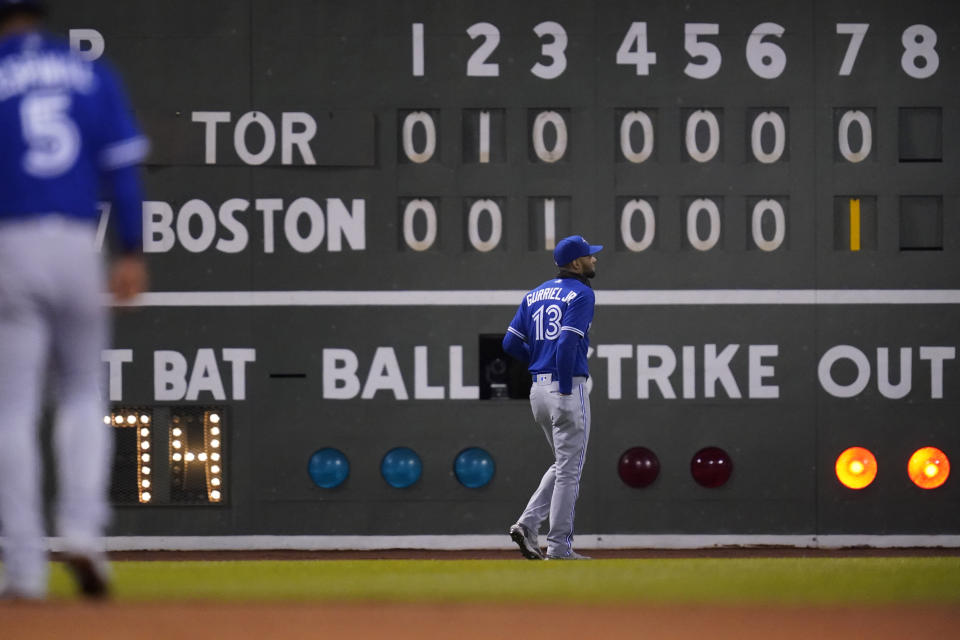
(239, 621)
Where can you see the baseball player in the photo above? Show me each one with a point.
(66, 131)
(550, 331)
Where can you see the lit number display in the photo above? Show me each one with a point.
(133, 457)
(191, 472)
(196, 456)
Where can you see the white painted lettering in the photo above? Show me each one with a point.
(340, 380)
(716, 368)
(227, 218)
(758, 371)
(384, 375)
(902, 388)
(169, 375)
(115, 359)
(659, 373)
(299, 139)
(210, 120)
(458, 390)
(158, 235)
(208, 226)
(238, 359)
(614, 354)
(205, 377)
(422, 390)
(836, 354)
(269, 208)
(240, 138)
(349, 224)
(88, 43)
(936, 356)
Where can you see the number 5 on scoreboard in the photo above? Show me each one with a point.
(633, 50)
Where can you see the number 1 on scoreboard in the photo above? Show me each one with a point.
(417, 46)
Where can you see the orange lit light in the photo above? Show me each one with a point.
(928, 467)
(856, 468)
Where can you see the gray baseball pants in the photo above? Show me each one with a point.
(565, 421)
(52, 323)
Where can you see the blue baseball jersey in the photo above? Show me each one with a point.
(557, 306)
(66, 134)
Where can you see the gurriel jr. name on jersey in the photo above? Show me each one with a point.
(553, 293)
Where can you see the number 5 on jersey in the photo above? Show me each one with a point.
(50, 133)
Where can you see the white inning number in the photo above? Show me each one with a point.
(766, 58)
(919, 41)
(51, 134)
(697, 49)
(477, 65)
(555, 50)
(552, 328)
(857, 32)
(633, 49)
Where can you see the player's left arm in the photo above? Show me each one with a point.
(575, 325)
(515, 341)
(121, 149)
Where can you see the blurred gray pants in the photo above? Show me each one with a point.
(52, 321)
(565, 421)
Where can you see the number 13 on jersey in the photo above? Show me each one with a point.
(551, 329)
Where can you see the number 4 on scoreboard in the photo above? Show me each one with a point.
(633, 50)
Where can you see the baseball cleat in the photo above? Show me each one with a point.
(572, 556)
(527, 542)
(9, 593)
(91, 574)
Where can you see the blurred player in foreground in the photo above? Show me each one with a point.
(66, 132)
(550, 331)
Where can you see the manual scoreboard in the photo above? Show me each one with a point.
(348, 200)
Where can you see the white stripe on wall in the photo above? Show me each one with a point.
(511, 298)
(487, 542)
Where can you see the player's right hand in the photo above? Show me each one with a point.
(128, 277)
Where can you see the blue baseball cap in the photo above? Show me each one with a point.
(573, 247)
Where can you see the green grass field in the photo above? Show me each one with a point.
(707, 580)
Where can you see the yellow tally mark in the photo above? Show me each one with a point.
(854, 224)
